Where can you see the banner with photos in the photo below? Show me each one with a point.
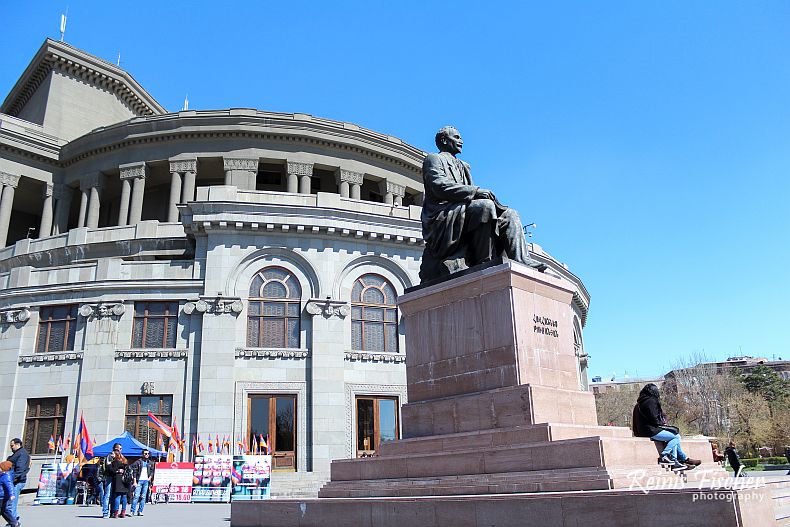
(211, 478)
(251, 477)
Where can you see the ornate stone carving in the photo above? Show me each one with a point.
(300, 169)
(352, 390)
(393, 188)
(328, 308)
(240, 163)
(216, 305)
(151, 353)
(148, 388)
(15, 316)
(133, 170)
(366, 356)
(102, 310)
(352, 178)
(183, 165)
(8, 180)
(48, 190)
(50, 357)
(274, 353)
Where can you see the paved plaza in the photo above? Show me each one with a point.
(197, 514)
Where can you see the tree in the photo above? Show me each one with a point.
(765, 382)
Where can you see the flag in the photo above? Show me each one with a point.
(217, 445)
(157, 424)
(210, 445)
(254, 445)
(60, 443)
(235, 475)
(83, 442)
(226, 444)
(244, 448)
(200, 445)
(67, 448)
(264, 445)
(51, 443)
(161, 442)
(240, 444)
(177, 436)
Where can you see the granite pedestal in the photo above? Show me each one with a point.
(497, 424)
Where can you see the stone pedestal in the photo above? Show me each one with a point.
(496, 413)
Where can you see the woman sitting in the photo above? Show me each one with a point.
(649, 421)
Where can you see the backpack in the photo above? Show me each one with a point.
(128, 476)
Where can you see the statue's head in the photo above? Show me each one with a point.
(448, 139)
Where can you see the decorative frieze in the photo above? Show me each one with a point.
(300, 169)
(8, 180)
(151, 353)
(133, 170)
(50, 357)
(183, 165)
(48, 190)
(274, 353)
(216, 305)
(240, 163)
(350, 177)
(15, 316)
(366, 356)
(148, 388)
(328, 308)
(393, 188)
(102, 310)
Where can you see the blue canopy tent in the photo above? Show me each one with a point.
(131, 447)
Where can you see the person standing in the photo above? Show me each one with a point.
(731, 453)
(20, 460)
(106, 481)
(143, 474)
(117, 471)
(7, 496)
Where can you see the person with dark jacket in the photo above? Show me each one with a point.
(143, 474)
(7, 494)
(120, 484)
(21, 461)
(733, 459)
(649, 421)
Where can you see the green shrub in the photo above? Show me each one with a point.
(778, 460)
(750, 461)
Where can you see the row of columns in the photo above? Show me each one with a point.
(8, 184)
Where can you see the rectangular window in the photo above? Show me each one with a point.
(274, 418)
(273, 324)
(155, 324)
(45, 418)
(377, 421)
(57, 326)
(137, 408)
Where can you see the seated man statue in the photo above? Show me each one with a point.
(463, 225)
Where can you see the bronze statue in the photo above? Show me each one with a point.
(463, 225)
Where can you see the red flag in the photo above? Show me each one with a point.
(83, 442)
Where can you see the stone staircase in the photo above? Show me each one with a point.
(297, 484)
(780, 494)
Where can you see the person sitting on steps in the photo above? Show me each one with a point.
(649, 421)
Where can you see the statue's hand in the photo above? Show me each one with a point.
(484, 194)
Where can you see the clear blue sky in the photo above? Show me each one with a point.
(650, 141)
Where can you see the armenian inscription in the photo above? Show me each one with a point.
(545, 326)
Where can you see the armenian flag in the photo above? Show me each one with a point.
(235, 475)
(161, 442)
(264, 445)
(200, 444)
(254, 445)
(159, 425)
(51, 443)
(177, 436)
(210, 445)
(67, 448)
(83, 442)
(60, 443)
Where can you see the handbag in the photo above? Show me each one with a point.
(669, 428)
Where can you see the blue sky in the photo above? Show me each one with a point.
(650, 141)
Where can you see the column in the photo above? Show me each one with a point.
(8, 183)
(137, 173)
(175, 195)
(393, 193)
(83, 207)
(187, 167)
(123, 211)
(241, 172)
(45, 228)
(92, 185)
(347, 181)
(301, 173)
(62, 195)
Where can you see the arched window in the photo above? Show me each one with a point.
(374, 317)
(274, 310)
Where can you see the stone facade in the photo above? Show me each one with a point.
(188, 208)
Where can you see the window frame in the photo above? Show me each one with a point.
(262, 301)
(363, 321)
(71, 328)
(146, 317)
(141, 419)
(60, 403)
(282, 460)
(375, 451)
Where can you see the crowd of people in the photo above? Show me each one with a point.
(120, 483)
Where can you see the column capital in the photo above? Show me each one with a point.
(9, 180)
(92, 180)
(300, 169)
(350, 177)
(388, 187)
(48, 190)
(62, 192)
(133, 170)
(240, 163)
(183, 165)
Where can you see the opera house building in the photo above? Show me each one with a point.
(235, 271)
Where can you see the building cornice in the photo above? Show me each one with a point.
(60, 56)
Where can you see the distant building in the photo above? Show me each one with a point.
(599, 387)
(746, 364)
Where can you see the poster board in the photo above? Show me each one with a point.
(57, 484)
(173, 480)
(251, 477)
(211, 478)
